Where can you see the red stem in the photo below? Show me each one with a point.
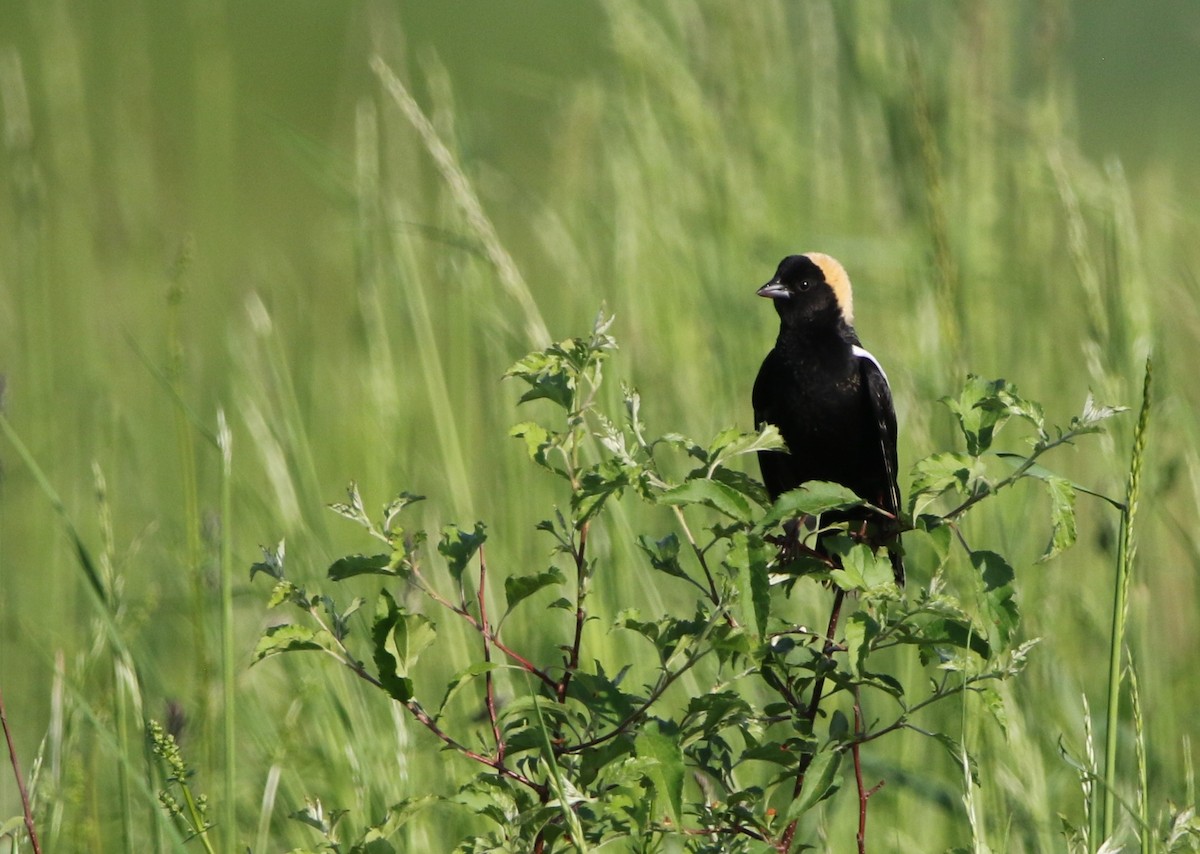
(580, 614)
(785, 843)
(12, 755)
(487, 657)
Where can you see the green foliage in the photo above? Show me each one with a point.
(580, 755)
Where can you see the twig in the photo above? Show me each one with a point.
(810, 716)
(414, 708)
(488, 682)
(491, 636)
(572, 663)
(863, 793)
(12, 755)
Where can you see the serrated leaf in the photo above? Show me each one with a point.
(939, 472)
(398, 638)
(979, 410)
(733, 443)
(993, 569)
(819, 782)
(397, 816)
(1062, 516)
(291, 638)
(770, 751)
(749, 556)
(1037, 470)
(596, 485)
(666, 772)
(458, 547)
(519, 587)
(353, 509)
(957, 633)
(1093, 413)
(462, 678)
(663, 554)
(352, 565)
(272, 562)
(711, 494)
(282, 592)
(548, 375)
(961, 756)
(393, 508)
(538, 443)
(861, 629)
(811, 499)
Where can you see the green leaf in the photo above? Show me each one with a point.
(819, 782)
(957, 633)
(1062, 515)
(459, 546)
(548, 374)
(1040, 472)
(749, 556)
(663, 554)
(732, 443)
(397, 816)
(937, 473)
(979, 411)
(961, 756)
(271, 564)
(399, 637)
(291, 638)
(1001, 607)
(392, 509)
(861, 630)
(518, 587)
(655, 742)
(352, 565)
(284, 591)
(1093, 414)
(463, 677)
(596, 485)
(353, 509)
(770, 751)
(811, 499)
(538, 443)
(712, 494)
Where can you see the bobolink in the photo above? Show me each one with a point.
(827, 395)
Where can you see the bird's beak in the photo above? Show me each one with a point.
(774, 289)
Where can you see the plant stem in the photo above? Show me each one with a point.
(580, 555)
(1125, 555)
(25, 808)
(228, 656)
(489, 684)
(810, 716)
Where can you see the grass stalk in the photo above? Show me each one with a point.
(1125, 557)
(228, 658)
(193, 557)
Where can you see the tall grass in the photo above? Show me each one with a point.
(358, 287)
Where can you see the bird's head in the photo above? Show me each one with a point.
(811, 287)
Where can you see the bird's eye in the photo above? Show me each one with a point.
(804, 285)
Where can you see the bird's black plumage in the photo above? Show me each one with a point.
(827, 395)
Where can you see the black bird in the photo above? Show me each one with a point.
(827, 395)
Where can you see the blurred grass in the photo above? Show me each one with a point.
(352, 324)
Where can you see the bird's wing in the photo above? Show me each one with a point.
(776, 466)
(879, 394)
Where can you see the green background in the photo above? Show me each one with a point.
(222, 198)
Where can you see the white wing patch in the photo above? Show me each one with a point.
(863, 354)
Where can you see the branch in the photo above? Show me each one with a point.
(811, 715)
(572, 663)
(12, 755)
(490, 688)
